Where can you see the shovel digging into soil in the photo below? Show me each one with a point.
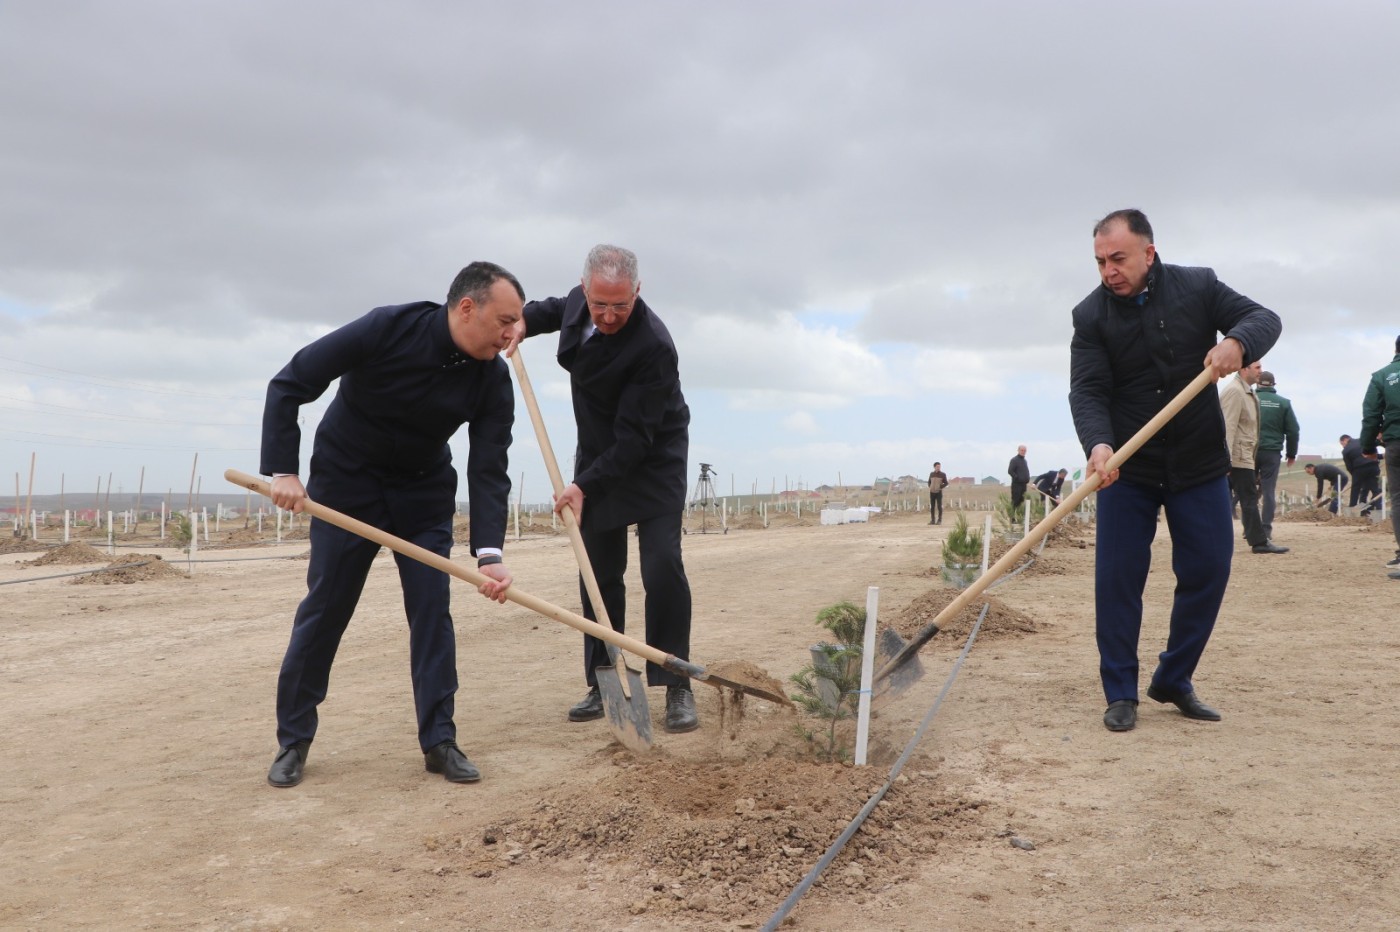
(736, 676)
(894, 677)
(624, 697)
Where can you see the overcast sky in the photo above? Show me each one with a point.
(864, 224)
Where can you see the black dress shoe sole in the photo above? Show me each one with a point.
(590, 715)
(681, 728)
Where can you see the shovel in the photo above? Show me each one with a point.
(624, 697)
(760, 690)
(892, 669)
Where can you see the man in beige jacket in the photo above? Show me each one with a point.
(1241, 409)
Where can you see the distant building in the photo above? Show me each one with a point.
(962, 480)
(883, 485)
(909, 484)
(990, 480)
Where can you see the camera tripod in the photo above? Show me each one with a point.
(704, 497)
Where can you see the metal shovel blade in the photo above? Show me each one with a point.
(628, 719)
(889, 646)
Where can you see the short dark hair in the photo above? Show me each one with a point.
(1344, 438)
(1307, 466)
(938, 464)
(1134, 218)
(475, 282)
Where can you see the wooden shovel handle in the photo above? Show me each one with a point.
(423, 555)
(1033, 537)
(551, 463)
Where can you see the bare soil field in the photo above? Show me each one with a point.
(139, 728)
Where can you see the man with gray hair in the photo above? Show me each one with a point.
(630, 468)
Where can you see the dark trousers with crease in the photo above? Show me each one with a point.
(420, 512)
(667, 609)
(1202, 535)
(935, 506)
(1245, 484)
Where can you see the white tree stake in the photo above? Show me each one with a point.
(111, 545)
(867, 673)
(987, 544)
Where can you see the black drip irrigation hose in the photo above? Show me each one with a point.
(100, 569)
(802, 887)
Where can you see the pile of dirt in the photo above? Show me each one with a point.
(20, 545)
(1305, 516)
(69, 554)
(1002, 621)
(123, 570)
(726, 841)
(245, 535)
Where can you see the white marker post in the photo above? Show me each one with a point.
(111, 544)
(65, 525)
(867, 673)
(987, 545)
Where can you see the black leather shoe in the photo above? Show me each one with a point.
(588, 708)
(680, 710)
(1190, 706)
(287, 765)
(1121, 715)
(448, 760)
(1269, 546)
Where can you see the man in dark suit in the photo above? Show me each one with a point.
(410, 376)
(630, 468)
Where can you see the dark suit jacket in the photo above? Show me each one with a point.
(404, 391)
(633, 422)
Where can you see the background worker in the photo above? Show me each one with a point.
(1050, 483)
(410, 376)
(1380, 417)
(1365, 473)
(1326, 472)
(1241, 412)
(1140, 338)
(633, 440)
(937, 482)
(1278, 429)
(1020, 472)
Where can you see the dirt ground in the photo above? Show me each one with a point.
(139, 728)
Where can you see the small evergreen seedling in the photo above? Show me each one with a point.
(828, 688)
(962, 553)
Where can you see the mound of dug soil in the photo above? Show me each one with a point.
(10, 544)
(1002, 621)
(123, 570)
(726, 841)
(70, 554)
(1322, 515)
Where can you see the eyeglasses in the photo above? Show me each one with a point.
(600, 308)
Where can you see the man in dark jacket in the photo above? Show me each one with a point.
(1278, 428)
(1139, 339)
(1380, 419)
(633, 439)
(1020, 472)
(1050, 483)
(1325, 473)
(410, 376)
(937, 482)
(1365, 473)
